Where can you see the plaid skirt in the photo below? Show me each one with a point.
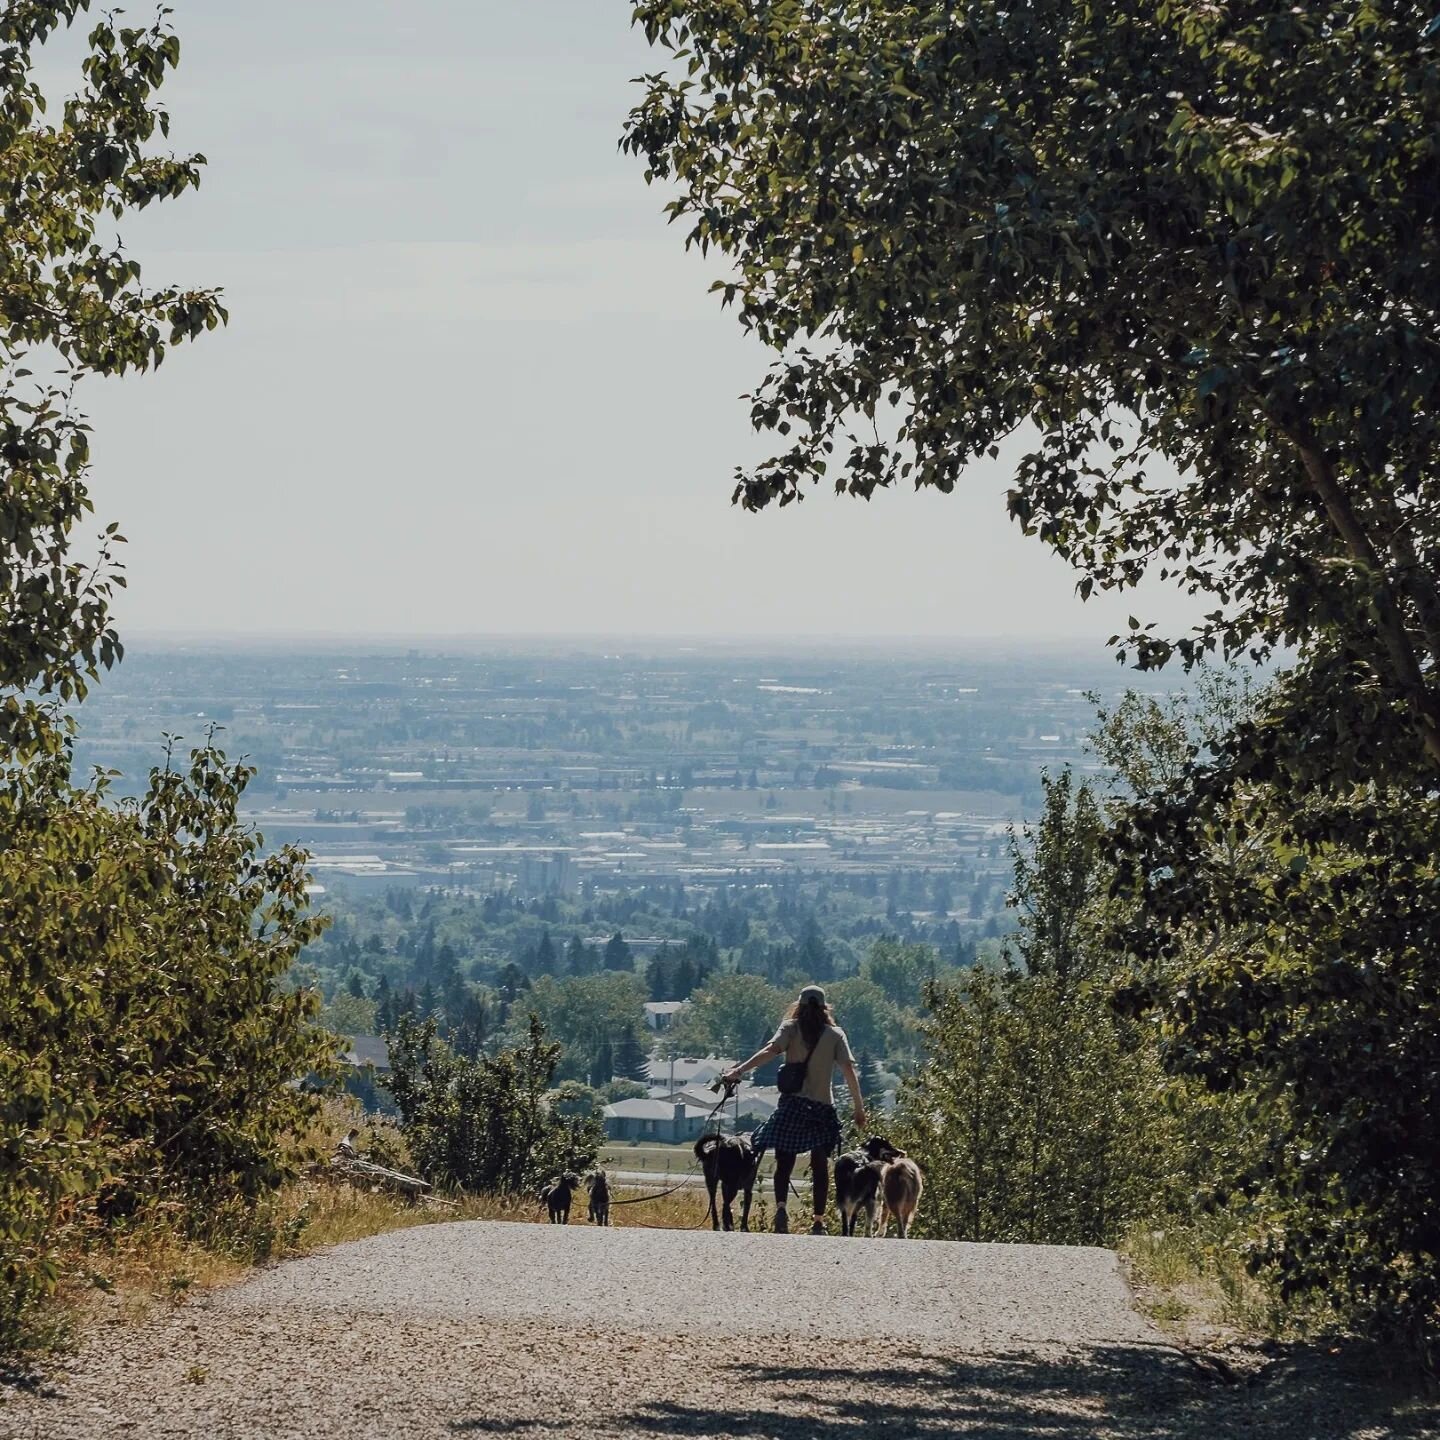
(799, 1126)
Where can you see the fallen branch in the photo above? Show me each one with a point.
(348, 1167)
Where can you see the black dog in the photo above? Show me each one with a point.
(729, 1162)
(857, 1181)
(600, 1198)
(557, 1196)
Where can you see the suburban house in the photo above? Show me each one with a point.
(369, 1052)
(677, 1072)
(757, 1101)
(660, 1014)
(368, 1062)
(663, 1121)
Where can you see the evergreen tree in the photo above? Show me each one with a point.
(426, 952)
(618, 955)
(453, 995)
(545, 956)
(447, 964)
(684, 978)
(579, 958)
(1058, 876)
(813, 958)
(470, 1030)
(355, 984)
(659, 978)
(511, 984)
(630, 1057)
(602, 1066)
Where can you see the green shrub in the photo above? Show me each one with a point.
(487, 1124)
(1034, 1117)
(147, 1051)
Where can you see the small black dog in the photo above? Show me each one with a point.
(558, 1195)
(729, 1162)
(857, 1181)
(599, 1198)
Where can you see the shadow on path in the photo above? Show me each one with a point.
(1115, 1392)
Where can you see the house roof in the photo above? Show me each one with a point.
(687, 1070)
(651, 1110)
(371, 1050)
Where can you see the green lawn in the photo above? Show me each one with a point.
(677, 1159)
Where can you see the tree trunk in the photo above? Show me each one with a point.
(1389, 621)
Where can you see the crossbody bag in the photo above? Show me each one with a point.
(790, 1079)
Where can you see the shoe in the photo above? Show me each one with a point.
(782, 1222)
(818, 1228)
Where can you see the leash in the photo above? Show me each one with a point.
(729, 1088)
(681, 1184)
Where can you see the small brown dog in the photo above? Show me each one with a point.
(901, 1184)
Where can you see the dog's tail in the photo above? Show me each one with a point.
(705, 1145)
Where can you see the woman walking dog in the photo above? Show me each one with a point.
(813, 1045)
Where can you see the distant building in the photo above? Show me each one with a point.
(678, 1071)
(369, 1052)
(368, 1061)
(659, 1120)
(659, 1014)
(746, 1109)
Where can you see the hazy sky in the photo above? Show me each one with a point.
(472, 384)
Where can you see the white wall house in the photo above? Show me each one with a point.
(663, 1121)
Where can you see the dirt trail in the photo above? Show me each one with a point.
(486, 1328)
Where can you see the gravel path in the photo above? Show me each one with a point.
(979, 1296)
(529, 1330)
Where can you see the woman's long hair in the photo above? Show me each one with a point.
(814, 1016)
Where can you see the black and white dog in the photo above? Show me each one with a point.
(729, 1163)
(599, 1198)
(858, 1175)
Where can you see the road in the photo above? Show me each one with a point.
(542, 1331)
(654, 1179)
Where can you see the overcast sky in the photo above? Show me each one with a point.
(472, 384)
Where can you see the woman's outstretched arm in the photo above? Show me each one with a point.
(852, 1079)
(769, 1052)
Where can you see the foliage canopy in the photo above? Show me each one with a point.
(1194, 246)
(72, 304)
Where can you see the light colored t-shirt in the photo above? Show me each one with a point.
(831, 1049)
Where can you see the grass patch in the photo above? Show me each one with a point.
(675, 1160)
(1192, 1281)
(122, 1272)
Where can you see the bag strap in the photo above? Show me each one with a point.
(805, 1063)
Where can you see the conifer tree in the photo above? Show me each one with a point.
(618, 955)
(630, 1057)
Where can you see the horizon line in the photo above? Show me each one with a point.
(408, 639)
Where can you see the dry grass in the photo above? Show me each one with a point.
(125, 1273)
(1192, 1282)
